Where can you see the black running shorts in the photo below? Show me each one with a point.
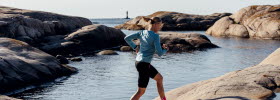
(146, 71)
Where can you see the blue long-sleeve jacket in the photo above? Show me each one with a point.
(149, 44)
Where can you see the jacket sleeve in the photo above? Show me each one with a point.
(158, 47)
(131, 37)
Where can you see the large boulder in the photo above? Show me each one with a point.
(175, 21)
(179, 42)
(253, 83)
(261, 21)
(87, 39)
(22, 65)
(184, 42)
(30, 26)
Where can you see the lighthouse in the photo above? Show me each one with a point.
(127, 15)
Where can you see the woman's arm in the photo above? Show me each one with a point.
(158, 48)
(129, 39)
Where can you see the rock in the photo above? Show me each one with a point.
(57, 45)
(259, 21)
(178, 42)
(76, 59)
(252, 83)
(107, 52)
(57, 34)
(22, 65)
(62, 59)
(91, 38)
(126, 48)
(175, 21)
(3, 97)
(85, 40)
(30, 26)
(272, 58)
(184, 42)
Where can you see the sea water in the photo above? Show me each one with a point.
(114, 77)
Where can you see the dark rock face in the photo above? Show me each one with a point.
(62, 59)
(175, 21)
(22, 65)
(262, 22)
(86, 39)
(57, 34)
(182, 42)
(31, 26)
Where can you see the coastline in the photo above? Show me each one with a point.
(257, 83)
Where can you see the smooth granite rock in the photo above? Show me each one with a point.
(22, 65)
(175, 21)
(259, 21)
(253, 83)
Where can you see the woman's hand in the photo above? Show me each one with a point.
(164, 46)
(137, 48)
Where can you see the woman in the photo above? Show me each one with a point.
(149, 44)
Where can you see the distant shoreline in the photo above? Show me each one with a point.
(108, 18)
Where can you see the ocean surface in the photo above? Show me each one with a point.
(114, 77)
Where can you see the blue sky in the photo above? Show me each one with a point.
(117, 8)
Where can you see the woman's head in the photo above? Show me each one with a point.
(155, 24)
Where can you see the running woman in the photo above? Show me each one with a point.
(149, 44)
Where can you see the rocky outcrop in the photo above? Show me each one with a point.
(175, 21)
(184, 42)
(22, 65)
(251, 22)
(253, 83)
(57, 34)
(87, 39)
(30, 26)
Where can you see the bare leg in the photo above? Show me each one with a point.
(160, 88)
(138, 94)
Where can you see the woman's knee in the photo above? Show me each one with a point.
(141, 91)
(159, 77)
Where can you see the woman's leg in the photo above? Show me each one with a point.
(138, 94)
(143, 79)
(159, 79)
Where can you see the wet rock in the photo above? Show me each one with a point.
(85, 40)
(22, 65)
(175, 21)
(91, 38)
(252, 83)
(107, 52)
(62, 59)
(258, 21)
(178, 42)
(76, 59)
(126, 48)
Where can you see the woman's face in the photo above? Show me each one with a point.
(159, 26)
